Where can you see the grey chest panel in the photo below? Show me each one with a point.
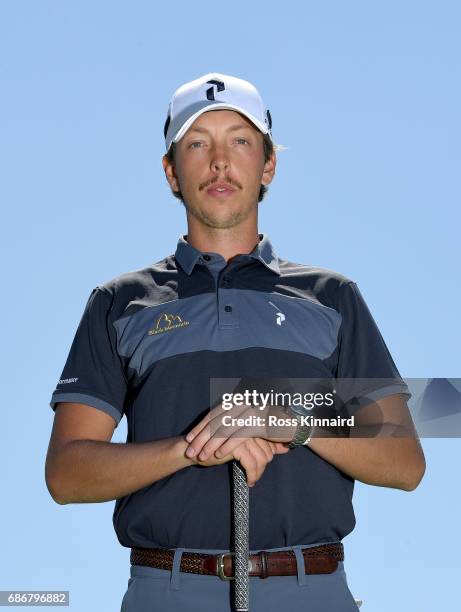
(227, 320)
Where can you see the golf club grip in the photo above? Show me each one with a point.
(241, 538)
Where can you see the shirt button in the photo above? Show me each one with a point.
(228, 308)
(206, 257)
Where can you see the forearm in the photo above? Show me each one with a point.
(95, 471)
(396, 462)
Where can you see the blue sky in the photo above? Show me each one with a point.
(366, 98)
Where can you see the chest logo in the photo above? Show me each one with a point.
(280, 317)
(167, 322)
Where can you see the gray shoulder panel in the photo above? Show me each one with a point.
(266, 320)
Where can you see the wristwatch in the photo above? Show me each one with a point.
(303, 434)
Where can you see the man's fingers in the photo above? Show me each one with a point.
(280, 448)
(266, 447)
(248, 462)
(200, 439)
(234, 439)
(214, 444)
(214, 418)
(212, 436)
(216, 432)
(228, 446)
(263, 457)
(200, 426)
(253, 458)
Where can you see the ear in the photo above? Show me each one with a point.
(269, 169)
(170, 173)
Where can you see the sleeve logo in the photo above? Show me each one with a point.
(66, 381)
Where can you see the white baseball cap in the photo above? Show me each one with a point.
(214, 91)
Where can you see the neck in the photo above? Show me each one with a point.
(226, 242)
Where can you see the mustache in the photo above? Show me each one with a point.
(226, 179)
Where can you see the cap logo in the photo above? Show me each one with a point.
(210, 91)
(268, 119)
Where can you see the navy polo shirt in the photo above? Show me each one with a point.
(147, 345)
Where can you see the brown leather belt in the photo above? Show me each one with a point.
(322, 559)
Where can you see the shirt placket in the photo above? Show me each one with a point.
(226, 306)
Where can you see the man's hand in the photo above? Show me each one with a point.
(253, 454)
(211, 437)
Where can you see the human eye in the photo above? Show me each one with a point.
(196, 144)
(241, 140)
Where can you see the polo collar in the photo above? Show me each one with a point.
(187, 255)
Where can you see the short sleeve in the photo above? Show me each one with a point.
(365, 371)
(93, 373)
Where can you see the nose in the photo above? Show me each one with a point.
(219, 158)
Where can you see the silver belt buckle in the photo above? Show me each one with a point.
(220, 568)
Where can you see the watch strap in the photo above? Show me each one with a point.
(303, 433)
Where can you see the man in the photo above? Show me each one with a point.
(224, 306)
